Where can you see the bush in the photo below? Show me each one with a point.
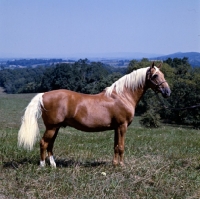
(150, 119)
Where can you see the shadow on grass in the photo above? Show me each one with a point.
(16, 164)
(197, 168)
(73, 163)
(59, 163)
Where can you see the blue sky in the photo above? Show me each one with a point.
(63, 28)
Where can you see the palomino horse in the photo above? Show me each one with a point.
(113, 108)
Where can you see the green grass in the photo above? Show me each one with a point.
(160, 163)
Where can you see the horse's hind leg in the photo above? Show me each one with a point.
(46, 144)
(50, 149)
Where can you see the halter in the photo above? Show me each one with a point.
(155, 84)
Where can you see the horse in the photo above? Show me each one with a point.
(111, 109)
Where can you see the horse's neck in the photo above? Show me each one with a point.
(134, 96)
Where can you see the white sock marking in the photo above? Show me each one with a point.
(52, 161)
(42, 163)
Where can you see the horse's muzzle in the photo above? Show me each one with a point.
(165, 92)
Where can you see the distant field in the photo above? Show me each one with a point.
(160, 163)
(1, 91)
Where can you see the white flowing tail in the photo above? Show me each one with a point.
(29, 130)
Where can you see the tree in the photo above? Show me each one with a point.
(134, 64)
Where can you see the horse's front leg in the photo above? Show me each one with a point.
(119, 140)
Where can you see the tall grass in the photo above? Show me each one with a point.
(160, 163)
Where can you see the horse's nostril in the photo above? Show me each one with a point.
(167, 92)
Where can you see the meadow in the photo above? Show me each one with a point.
(159, 163)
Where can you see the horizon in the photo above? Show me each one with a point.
(90, 28)
(96, 57)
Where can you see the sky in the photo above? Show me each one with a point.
(67, 28)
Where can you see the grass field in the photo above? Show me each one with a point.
(160, 163)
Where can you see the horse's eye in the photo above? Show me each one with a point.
(154, 76)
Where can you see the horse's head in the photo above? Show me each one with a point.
(157, 82)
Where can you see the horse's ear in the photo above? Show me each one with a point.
(159, 66)
(152, 65)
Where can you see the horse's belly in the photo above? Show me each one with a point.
(89, 125)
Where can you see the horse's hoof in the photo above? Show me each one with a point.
(53, 165)
(121, 164)
(115, 163)
(42, 163)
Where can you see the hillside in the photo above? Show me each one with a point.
(116, 60)
(193, 57)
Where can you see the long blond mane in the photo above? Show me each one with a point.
(131, 81)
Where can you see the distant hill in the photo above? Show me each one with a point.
(116, 60)
(193, 57)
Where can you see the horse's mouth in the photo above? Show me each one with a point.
(166, 92)
(165, 95)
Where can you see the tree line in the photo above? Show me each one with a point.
(30, 62)
(82, 76)
(182, 107)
